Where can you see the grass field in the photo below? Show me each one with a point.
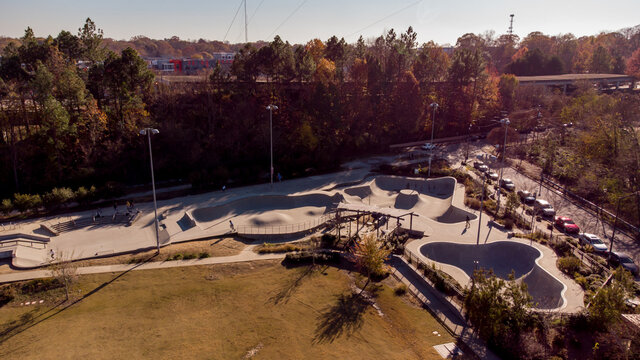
(258, 310)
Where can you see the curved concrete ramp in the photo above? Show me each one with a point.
(442, 188)
(261, 204)
(406, 199)
(455, 215)
(503, 257)
(359, 191)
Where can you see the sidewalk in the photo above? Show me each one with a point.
(448, 313)
(246, 255)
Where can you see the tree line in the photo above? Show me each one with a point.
(72, 109)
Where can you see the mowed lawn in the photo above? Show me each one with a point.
(221, 312)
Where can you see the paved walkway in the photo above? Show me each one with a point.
(247, 254)
(449, 314)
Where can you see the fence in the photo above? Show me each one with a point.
(621, 225)
(419, 263)
(283, 229)
(29, 243)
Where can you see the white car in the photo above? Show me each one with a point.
(593, 240)
(492, 175)
(428, 146)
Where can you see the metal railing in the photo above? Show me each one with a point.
(30, 243)
(9, 227)
(283, 229)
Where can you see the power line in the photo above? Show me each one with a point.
(385, 18)
(288, 17)
(232, 21)
(255, 11)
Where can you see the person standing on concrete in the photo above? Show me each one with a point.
(233, 229)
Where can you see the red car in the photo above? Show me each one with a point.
(567, 225)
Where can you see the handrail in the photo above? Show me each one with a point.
(9, 227)
(6, 243)
(283, 229)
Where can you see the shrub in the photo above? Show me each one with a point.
(472, 203)
(306, 257)
(278, 248)
(25, 202)
(189, 256)
(203, 255)
(328, 240)
(508, 224)
(6, 206)
(40, 285)
(562, 248)
(569, 264)
(85, 196)
(175, 257)
(400, 289)
(57, 197)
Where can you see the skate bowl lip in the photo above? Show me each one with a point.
(526, 260)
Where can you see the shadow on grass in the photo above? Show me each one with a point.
(29, 320)
(285, 293)
(344, 317)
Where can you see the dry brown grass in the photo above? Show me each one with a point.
(214, 247)
(221, 312)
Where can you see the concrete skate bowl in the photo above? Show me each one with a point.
(270, 210)
(430, 198)
(441, 188)
(503, 257)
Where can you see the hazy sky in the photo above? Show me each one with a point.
(301, 20)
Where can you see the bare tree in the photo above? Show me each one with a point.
(65, 271)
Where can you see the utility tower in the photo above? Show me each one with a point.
(246, 36)
(511, 26)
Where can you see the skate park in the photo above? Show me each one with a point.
(295, 209)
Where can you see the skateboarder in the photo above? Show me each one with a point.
(468, 224)
(231, 226)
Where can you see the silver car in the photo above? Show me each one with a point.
(591, 239)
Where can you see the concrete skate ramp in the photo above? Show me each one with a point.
(407, 199)
(455, 215)
(503, 257)
(262, 204)
(442, 188)
(359, 191)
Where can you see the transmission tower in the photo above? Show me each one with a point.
(511, 26)
(246, 36)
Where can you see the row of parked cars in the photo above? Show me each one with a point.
(566, 224)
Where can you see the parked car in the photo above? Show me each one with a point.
(492, 175)
(590, 239)
(543, 207)
(476, 164)
(428, 146)
(621, 259)
(526, 197)
(483, 168)
(567, 225)
(507, 184)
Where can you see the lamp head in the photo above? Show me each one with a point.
(434, 105)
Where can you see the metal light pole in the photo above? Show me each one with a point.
(484, 178)
(149, 132)
(506, 123)
(434, 105)
(271, 108)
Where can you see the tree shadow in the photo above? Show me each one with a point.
(285, 293)
(344, 317)
(28, 320)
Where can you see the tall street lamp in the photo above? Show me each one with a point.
(148, 132)
(271, 108)
(434, 105)
(506, 123)
(484, 178)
